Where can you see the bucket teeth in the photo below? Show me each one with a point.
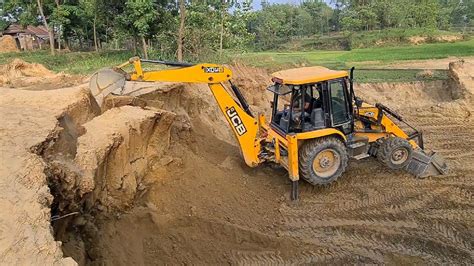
(105, 82)
(427, 163)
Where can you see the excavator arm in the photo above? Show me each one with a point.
(244, 125)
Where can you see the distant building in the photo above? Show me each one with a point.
(28, 38)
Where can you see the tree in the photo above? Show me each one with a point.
(182, 18)
(320, 14)
(223, 6)
(91, 10)
(137, 20)
(47, 26)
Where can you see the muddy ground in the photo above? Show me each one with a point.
(165, 183)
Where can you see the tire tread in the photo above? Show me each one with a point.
(306, 156)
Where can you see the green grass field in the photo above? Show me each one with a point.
(345, 58)
(88, 62)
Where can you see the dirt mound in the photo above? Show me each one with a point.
(90, 164)
(396, 94)
(8, 44)
(442, 38)
(462, 75)
(29, 124)
(33, 76)
(117, 150)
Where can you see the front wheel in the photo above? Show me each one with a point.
(395, 152)
(323, 160)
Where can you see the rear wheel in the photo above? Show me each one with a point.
(322, 161)
(395, 152)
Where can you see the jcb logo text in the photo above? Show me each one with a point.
(236, 121)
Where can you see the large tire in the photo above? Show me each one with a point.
(323, 160)
(395, 153)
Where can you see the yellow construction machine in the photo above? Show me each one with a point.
(317, 122)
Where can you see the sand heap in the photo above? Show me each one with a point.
(8, 44)
(52, 144)
(33, 76)
(29, 120)
(462, 75)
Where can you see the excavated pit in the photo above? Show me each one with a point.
(162, 181)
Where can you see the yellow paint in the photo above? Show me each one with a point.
(372, 136)
(191, 74)
(387, 126)
(308, 75)
(249, 142)
(213, 75)
(277, 151)
(273, 135)
(250, 131)
(320, 133)
(293, 157)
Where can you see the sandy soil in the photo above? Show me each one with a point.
(31, 76)
(442, 38)
(150, 191)
(29, 123)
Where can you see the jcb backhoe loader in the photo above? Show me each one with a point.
(317, 122)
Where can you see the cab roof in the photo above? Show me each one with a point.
(307, 75)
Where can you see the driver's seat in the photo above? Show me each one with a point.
(285, 121)
(317, 118)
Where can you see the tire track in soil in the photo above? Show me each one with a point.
(387, 212)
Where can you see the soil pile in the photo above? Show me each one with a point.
(117, 151)
(29, 123)
(8, 44)
(442, 38)
(462, 75)
(396, 95)
(33, 76)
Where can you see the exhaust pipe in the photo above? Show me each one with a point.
(424, 164)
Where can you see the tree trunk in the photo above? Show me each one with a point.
(134, 46)
(145, 51)
(60, 29)
(95, 33)
(221, 39)
(66, 44)
(59, 39)
(45, 23)
(182, 17)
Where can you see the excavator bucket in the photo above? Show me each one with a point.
(107, 81)
(427, 163)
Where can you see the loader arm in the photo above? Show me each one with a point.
(238, 115)
(423, 163)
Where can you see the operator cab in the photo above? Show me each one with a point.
(310, 98)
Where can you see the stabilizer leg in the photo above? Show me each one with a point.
(294, 190)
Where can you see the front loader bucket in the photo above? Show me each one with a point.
(424, 164)
(106, 81)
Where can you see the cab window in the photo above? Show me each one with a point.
(340, 112)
